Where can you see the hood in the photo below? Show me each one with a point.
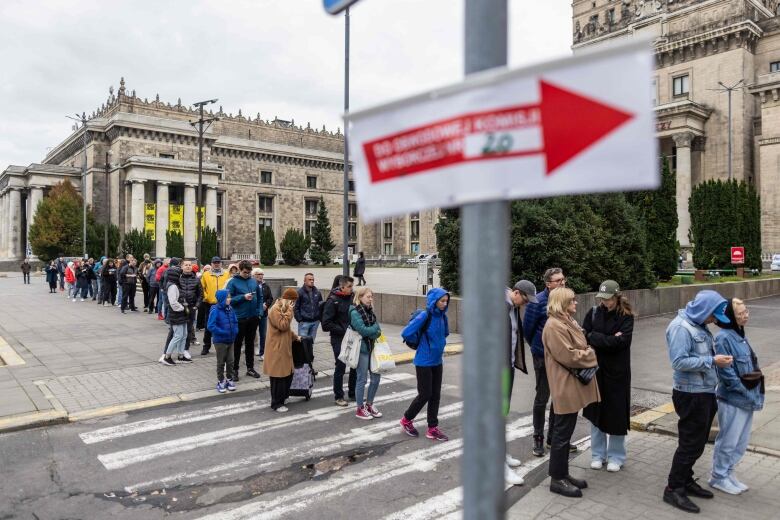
(158, 263)
(222, 295)
(732, 324)
(435, 295)
(173, 274)
(70, 264)
(705, 305)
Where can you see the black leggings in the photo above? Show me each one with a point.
(428, 391)
(109, 291)
(280, 390)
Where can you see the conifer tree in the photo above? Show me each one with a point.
(267, 247)
(321, 242)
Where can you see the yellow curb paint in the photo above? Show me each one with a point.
(31, 420)
(121, 408)
(665, 408)
(407, 357)
(642, 421)
(9, 355)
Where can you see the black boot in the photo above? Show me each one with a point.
(693, 488)
(538, 450)
(576, 482)
(678, 499)
(565, 488)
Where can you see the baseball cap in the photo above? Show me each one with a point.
(216, 259)
(528, 289)
(608, 289)
(720, 313)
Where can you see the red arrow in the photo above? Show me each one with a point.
(570, 123)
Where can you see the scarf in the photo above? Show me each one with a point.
(367, 313)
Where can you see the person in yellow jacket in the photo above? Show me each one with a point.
(212, 281)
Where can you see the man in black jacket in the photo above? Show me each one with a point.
(307, 308)
(127, 278)
(268, 300)
(192, 292)
(335, 319)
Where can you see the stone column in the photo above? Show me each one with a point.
(211, 207)
(161, 218)
(3, 225)
(189, 221)
(15, 251)
(137, 206)
(35, 198)
(683, 142)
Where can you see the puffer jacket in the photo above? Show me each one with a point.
(222, 323)
(430, 350)
(191, 289)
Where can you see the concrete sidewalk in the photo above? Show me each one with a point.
(82, 360)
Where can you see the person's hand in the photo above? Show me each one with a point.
(722, 360)
(249, 296)
(618, 333)
(228, 300)
(265, 306)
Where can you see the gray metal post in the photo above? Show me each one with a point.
(199, 202)
(84, 188)
(730, 90)
(345, 220)
(108, 207)
(484, 273)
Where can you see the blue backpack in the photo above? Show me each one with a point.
(413, 341)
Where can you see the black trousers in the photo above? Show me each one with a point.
(128, 296)
(561, 433)
(203, 315)
(247, 329)
(540, 400)
(280, 390)
(428, 391)
(696, 412)
(154, 293)
(338, 373)
(145, 289)
(26, 277)
(207, 332)
(109, 292)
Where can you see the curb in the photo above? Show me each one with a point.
(32, 420)
(642, 422)
(404, 358)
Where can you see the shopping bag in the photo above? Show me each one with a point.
(382, 357)
(350, 348)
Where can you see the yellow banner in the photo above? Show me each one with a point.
(176, 218)
(149, 219)
(202, 217)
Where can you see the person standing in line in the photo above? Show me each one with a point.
(109, 282)
(336, 320)
(364, 322)
(740, 393)
(127, 277)
(521, 294)
(246, 299)
(51, 276)
(82, 280)
(154, 286)
(566, 350)
(692, 354)
(203, 314)
(223, 325)
(177, 317)
(266, 303)
(278, 361)
(360, 269)
(428, 363)
(193, 295)
(143, 273)
(609, 328)
(120, 263)
(91, 279)
(211, 281)
(307, 308)
(158, 276)
(61, 266)
(533, 326)
(98, 283)
(70, 279)
(26, 267)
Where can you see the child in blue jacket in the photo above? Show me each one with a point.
(223, 326)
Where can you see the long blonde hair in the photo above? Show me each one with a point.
(359, 293)
(559, 299)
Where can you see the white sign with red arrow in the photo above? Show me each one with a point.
(579, 125)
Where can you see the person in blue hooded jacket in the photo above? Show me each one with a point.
(740, 393)
(428, 363)
(692, 353)
(223, 325)
(245, 298)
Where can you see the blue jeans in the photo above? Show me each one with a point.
(179, 338)
(119, 294)
(262, 328)
(362, 375)
(308, 328)
(611, 448)
(732, 439)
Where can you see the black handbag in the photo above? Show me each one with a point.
(583, 375)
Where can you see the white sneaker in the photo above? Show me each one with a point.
(161, 358)
(282, 409)
(512, 478)
(613, 467)
(513, 462)
(257, 352)
(725, 485)
(74, 299)
(187, 355)
(596, 464)
(741, 486)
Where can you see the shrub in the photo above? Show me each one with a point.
(136, 242)
(267, 247)
(208, 245)
(174, 246)
(294, 246)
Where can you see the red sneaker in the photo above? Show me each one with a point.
(362, 413)
(373, 411)
(408, 428)
(436, 434)
(160, 317)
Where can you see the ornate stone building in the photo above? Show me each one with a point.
(701, 45)
(142, 171)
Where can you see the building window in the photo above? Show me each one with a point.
(219, 225)
(312, 205)
(680, 85)
(219, 200)
(265, 177)
(265, 204)
(774, 66)
(309, 227)
(264, 223)
(352, 211)
(594, 19)
(610, 17)
(167, 156)
(388, 249)
(654, 87)
(415, 248)
(352, 230)
(388, 231)
(311, 182)
(414, 231)
(351, 185)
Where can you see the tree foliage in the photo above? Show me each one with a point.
(174, 246)
(725, 214)
(136, 242)
(448, 245)
(96, 239)
(57, 225)
(208, 245)
(294, 246)
(321, 241)
(267, 247)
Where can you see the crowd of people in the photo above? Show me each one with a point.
(577, 367)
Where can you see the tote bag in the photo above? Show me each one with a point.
(350, 348)
(382, 357)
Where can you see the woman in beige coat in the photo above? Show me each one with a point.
(278, 360)
(566, 349)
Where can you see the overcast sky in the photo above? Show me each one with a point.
(280, 58)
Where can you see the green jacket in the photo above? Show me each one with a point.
(369, 334)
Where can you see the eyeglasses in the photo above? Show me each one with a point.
(246, 272)
(559, 280)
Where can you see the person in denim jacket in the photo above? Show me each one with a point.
(693, 357)
(740, 393)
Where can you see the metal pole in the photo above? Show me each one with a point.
(199, 202)
(730, 90)
(84, 188)
(345, 220)
(108, 208)
(484, 273)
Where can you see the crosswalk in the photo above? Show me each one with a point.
(179, 453)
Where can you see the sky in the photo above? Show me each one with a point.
(281, 58)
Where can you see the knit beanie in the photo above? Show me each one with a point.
(290, 294)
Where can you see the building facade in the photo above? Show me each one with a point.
(142, 173)
(700, 47)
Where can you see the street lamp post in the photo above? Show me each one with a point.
(345, 220)
(199, 124)
(736, 86)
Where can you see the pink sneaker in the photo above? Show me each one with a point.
(376, 414)
(436, 434)
(408, 428)
(364, 414)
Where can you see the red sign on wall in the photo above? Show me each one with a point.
(737, 255)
